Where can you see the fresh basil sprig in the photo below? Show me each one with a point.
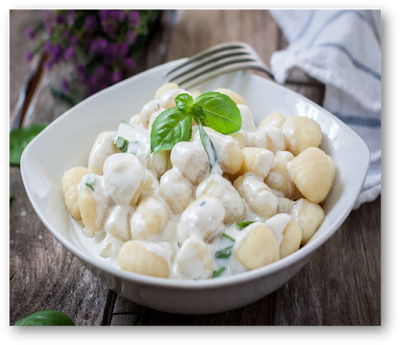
(211, 109)
(46, 318)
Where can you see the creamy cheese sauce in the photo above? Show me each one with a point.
(198, 240)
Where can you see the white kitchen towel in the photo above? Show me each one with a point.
(342, 49)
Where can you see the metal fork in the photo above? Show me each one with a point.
(215, 61)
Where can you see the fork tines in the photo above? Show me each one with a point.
(217, 60)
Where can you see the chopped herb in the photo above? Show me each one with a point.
(224, 253)
(121, 143)
(91, 182)
(242, 225)
(229, 237)
(218, 272)
(179, 245)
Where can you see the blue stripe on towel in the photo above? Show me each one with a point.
(332, 19)
(305, 27)
(355, 62)
(358, 121)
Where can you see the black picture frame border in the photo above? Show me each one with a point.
(236, 333)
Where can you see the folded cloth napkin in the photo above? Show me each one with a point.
(340, 48)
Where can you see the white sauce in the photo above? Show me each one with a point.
(277, 224)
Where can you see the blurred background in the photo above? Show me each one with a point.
(58, 58)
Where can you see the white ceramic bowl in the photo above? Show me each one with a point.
(67, 141)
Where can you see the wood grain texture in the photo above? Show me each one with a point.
(339, 286)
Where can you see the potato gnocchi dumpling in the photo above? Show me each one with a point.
(301, 133)
(309, 216)
(273, 120)
(151, 259)
(194, 260)
(149, 220)
(191, 159)
(257, 195)
(204, 218)
(70, 182)
(313, 173)
(257, 248)
(228, 151)
(257, 161)
(220, 188)
(175, 190)
(102, 148)
(94, 203)
(174, 214)
(165, 87)
(233, 95)
(124, 178)
(278, 178)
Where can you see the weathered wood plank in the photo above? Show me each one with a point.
(43, 274)
(20, 69)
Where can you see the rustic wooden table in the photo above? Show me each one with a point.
(341, 285)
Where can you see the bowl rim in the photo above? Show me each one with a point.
(240, 278)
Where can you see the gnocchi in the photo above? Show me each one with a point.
(173, 214)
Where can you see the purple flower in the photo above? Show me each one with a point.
(69, 53)
(65, 85)
(101, 71)
(48, 46)
(91, 23)
(71, 16)
(103, 86)
(30, 33)
(93, 81)
(59, 19)
(123, 49)
(81, 72)
(48, 65)
(134, 18)
(104, 14)
(56, 53)
(47, 15)
(74, 41)
(119, 15)
(29, 56)
(102, 45)
(116, 76)
(93, 47)
(131, 36)
(110, 27)
(129, 63)
(49, 28)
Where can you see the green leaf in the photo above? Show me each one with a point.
(218, 272)
(91, 182)
(184, 102)
(208, 147)
(242, 225)
(46, 318)
(221, 113)
(228, 237)
(170, 127)
(11, 196)
(121, 143)
(224, 253)
(197, 112)
(20, 138)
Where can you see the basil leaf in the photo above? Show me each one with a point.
(208, 146)
(242, 225)
(20, 138)
(221, 113)
(170, 127)
(197, 112)
(91, 182)
(224, 253)
(184, 102)
(121, 143)
(228, 237)
(218, 272)
(46, 318)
